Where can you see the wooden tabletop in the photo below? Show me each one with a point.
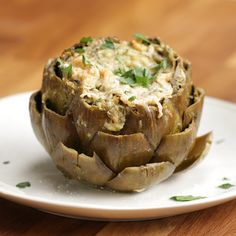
(203, 31)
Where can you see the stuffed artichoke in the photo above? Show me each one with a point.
(119, 114)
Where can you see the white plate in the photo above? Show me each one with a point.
(51, 191)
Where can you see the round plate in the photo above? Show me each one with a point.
(22, 159)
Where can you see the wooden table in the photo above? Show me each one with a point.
(203, 31)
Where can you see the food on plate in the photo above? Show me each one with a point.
(119, 114)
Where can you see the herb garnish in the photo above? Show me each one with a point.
(161, 66)
(63, 70)
(23, 184)
(6, 162)
(220, 141)
(142, 38)
(79, 50)
(83, 42)
(85, 60)
(225, 178)
(132, 98)
(67, 71)
(186, 198)
(86, 40)
(135, 77)
(108, 44)
(226, 186)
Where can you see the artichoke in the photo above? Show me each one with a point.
(119, 114)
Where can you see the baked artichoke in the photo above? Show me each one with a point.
(119, 114)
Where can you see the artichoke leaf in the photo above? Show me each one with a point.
(193, 112)
(50, 87)
(175, 147)
(81, 166)
(198, 152)
(120, 151)
(66, 160)
(180, 99)
(139, 178)
(93, 170)
(88, 120)
(145, 120)
(58, 128)
(35, 109)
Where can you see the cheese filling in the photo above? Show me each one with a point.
(114, 75)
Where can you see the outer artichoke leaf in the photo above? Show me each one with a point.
(139, 178)
(66, 160)
(58, 128)
(93, 170)
(180, 98)
(35, 108)
(88, 120)
(120, 151)
(172, 119)
(81, 166)
(146, 121)
(198, 152)
(56, 90)
(194, 111)
(176, 147)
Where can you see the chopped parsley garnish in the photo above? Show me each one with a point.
(79, 50)
(63, 70)
(186, 198)
(220, 141)
(83, 43)
(23, 185)
(86, 40)
(161, 66)
(108, 44)
(119, 71)
(85, 60)
(225, 178)
(135, 77)
(142, 38)
(132, 98)
(6, 162)
(226, 186)
(67, 71)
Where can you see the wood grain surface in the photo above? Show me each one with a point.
(204, 31)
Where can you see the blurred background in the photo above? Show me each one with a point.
(203, 31)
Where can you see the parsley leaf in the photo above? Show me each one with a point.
(79, 50)
(225, 178)
(23, 184)
(186, 198)
(161, 66)
(132, 98)
(63, 70)
(67, 71)
(119, 71)
(220, 141)
(142, 38)
(226, 186)
(108, 44)
(6, 162)
(85, 60)
(128, 80)
(135, 77)
(86, 40)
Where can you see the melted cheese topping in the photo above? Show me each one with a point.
(101, 86)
